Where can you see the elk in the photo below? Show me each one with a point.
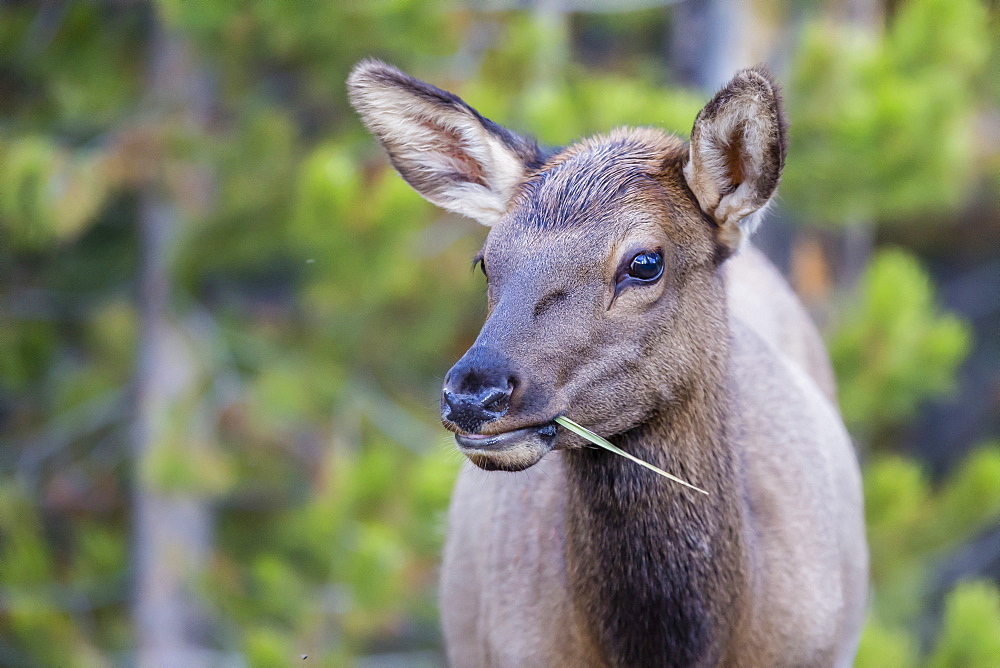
(616, 286)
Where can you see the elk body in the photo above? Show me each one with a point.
(609, 264)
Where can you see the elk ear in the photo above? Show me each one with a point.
(737, 153)
(443, 147)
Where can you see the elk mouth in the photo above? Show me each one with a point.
(508, 451)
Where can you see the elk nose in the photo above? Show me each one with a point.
(476, 392)
(471, 411)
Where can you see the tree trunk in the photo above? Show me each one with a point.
(171, 528)
(708, 41)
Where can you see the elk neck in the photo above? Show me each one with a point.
(658, 572)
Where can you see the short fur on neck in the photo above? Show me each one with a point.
(658, 572)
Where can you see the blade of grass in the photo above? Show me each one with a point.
(580, 430)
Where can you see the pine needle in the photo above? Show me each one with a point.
(607, 445)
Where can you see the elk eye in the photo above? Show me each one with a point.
(646, 266)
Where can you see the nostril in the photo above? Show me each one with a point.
(497, 402)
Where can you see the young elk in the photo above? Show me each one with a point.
(608, 304)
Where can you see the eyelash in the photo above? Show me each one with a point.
(479, 260)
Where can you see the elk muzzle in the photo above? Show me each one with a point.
(480, 390)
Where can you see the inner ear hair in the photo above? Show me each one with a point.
(737, 152)
(444, 148)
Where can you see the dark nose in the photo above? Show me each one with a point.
(477, 390)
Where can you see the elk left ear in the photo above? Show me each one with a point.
(737, 154)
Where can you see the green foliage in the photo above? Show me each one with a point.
(882, 647)
(912, 525)
(35, 623)
(589, 104)
(892, 350)
(970, 634)
(909, 522)
(355, 558)
(185, 466)
(46, 192)
(883, 128)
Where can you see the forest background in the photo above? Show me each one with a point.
(224, 319)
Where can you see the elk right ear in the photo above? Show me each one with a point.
(443, 147)
(737, 153)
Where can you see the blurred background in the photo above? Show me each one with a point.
(224, 320)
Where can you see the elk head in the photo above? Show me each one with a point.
(602, 259)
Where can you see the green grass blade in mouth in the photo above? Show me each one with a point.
(607, 445)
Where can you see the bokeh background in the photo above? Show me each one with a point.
(224, 320)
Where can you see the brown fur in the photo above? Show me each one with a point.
(760, 298)
(583, 558)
